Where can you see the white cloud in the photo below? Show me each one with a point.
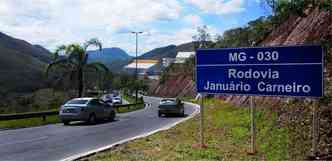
(193, 20)
(54, 22)
(220, 7)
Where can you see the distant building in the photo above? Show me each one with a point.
(154, 77)
(181, 57)
(144, 66)
(167, 62)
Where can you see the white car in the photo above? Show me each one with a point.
(107, 98)
(117, 100)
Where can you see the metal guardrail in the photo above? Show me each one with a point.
(6, 117)
(43, 115)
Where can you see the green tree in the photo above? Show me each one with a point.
(282, 9)
(75, 62)
(203, 37)
(250, 35)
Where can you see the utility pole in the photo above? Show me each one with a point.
(136, 70)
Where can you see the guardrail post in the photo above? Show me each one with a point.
(44, 118)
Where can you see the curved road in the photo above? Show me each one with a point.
(58, 142)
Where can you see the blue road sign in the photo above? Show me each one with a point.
(263, 71)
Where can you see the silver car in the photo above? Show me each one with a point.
(86, 109)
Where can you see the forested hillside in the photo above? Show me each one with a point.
(21, 65)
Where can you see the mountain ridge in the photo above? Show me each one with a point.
(21, 65)
(25, 47)
(114, 58)
(169, 51)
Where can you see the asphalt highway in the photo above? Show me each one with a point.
(57, 142)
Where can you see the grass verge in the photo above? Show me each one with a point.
(227, 137)
(21, 123)
(130, 99)
(130, 109)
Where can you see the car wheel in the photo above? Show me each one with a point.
(112, 116)
(92, 119)
(159, 114)
(66, 122)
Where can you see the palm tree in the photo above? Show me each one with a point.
(75, 62)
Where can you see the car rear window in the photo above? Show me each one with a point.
(167, 101)
(77, 102)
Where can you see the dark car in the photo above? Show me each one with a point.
(171, 106)
(86, 109)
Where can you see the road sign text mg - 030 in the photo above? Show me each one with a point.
(265, 71)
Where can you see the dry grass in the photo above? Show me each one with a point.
(227, 138)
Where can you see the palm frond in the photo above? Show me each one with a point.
(74, 49)
(58, 50)
(94, 42)
(75, 53)
(55, 63)
(64, 76)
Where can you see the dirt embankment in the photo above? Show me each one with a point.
(314, 28)
(176, 85)
(296, 116)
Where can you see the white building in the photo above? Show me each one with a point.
(143, 66)
(167, 61)
(181, 57)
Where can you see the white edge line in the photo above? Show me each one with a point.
(84, 154)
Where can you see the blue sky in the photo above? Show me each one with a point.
(54, 22)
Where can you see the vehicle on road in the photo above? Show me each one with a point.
(86, 109)
(115, 93)
(171, 106)
(117, 100)
(107, 99)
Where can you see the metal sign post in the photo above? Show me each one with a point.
(253, 125)
(315, 128)
(202, 122)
